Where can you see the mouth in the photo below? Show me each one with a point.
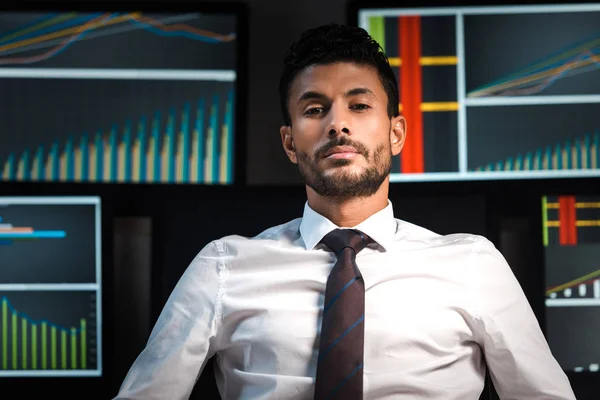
(341, 152)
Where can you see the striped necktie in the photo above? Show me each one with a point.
(341, 347)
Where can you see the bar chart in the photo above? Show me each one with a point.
(572, 336)
(38, 344)
(571, 243)
(191, 145)
(50, 287)
(50, 243)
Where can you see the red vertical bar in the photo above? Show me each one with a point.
(567, 217)
(411, 92)
(563, 220)
(572, 221)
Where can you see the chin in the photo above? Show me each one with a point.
(347, 169)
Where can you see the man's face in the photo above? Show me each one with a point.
(341, 136)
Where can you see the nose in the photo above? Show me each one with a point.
(338, 121)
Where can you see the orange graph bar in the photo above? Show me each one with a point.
(411, 92)
(17, 230)
(568, 221)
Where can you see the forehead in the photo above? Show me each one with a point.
(336, 79)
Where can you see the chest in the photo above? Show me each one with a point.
(419, 312)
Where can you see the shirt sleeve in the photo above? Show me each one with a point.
(183, 338)
(517, 354)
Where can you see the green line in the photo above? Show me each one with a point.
(53, 345)
(63, 349)
(73, 348)
(545, 220)
(34, 347)
(83, 345)
(4, 334)
(377, 30)
(24, 343)
(14, 341)
(44, 347)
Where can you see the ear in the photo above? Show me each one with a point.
(288, 143)
(398, 134)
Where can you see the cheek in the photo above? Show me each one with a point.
(373, 131)
(306, 134)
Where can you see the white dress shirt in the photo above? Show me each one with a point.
(435, 306)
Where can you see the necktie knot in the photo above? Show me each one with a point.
(339, 239)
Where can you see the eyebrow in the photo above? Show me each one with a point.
(357, 91)
(313, 95)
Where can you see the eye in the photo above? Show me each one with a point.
(314, 111)
(360, 107)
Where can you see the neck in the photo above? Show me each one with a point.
(349, 212)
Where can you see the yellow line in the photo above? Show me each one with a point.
(578, 205)
(588, 205)
(436, 106)
(44, 24)
(66, 32)
(427, 61)
(584, 223)
(588, 223)
(534, 77)
(573, 282)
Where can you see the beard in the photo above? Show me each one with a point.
(346, 185)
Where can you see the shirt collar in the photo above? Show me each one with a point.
(380, 226)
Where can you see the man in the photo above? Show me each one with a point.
(385, 310)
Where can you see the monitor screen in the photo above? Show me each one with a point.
(50, 287)
(494, 92)
(118, 97)
(571, 236)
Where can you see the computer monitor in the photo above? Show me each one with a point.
(571, 239)
(50, 287)
(120, 96)
(493, 92)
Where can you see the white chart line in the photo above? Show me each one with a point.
(41, 200)
(572, 302)
(474, 176)
(49, 373)
(487, 10)
(532, 100)
(113, 73)
(461, 88)
(49, 286)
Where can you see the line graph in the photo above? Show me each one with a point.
(571, 238)
(21, 41)
(578, 59)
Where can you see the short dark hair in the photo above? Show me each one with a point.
(328, 44)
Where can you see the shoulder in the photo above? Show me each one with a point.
(286, 234)
(411, 232)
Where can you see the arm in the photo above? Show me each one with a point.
(183, 338)
(520, 362)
